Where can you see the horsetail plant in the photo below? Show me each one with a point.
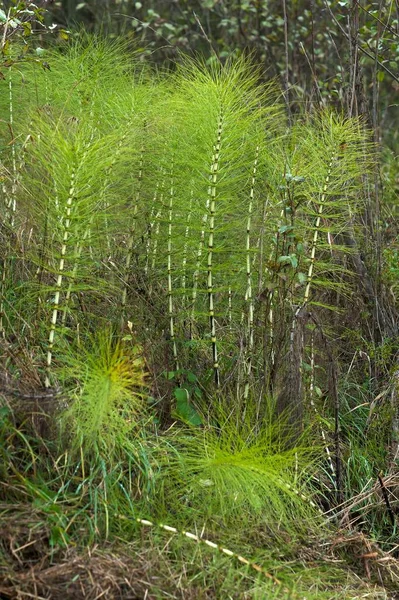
(249, 295)
(149, 232)
(217, 111)
(77, 173)
(56, 301)
(332, 190)
(316, 233)
(197, 267)
(158, 216)
(212, 211)
(169, 255)
(185, 247)
(12, 202)
(312, 388)
(217, 466)
(324, 161)
(9, 196)
(108, 401)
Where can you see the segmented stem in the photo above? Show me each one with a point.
(170, 290)
(158, 216)
(12, 206)
(270, 317)
(78, 254)
(316, 233)
(313, 405)
(153, 218)
(248, 295)
(86, 235)
(56, 300)
(197, 267)
(2, 294)
(230, 309)
(212, 211)
(184, 260)
(157, 228)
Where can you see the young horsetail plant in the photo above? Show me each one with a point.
(66, 197)
(232, 470)
(212, 210)
(108, 402)
(249, 293)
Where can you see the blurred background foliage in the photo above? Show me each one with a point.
(340, 52)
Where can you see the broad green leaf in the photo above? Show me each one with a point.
(184, 409)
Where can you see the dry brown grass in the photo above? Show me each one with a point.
(30, 567)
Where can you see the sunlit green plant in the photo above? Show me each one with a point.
(108, 402)
(232, 470)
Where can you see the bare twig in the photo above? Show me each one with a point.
(380, 64)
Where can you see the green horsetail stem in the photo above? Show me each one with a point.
(184, 260)
(230, 309)
(312, 260)
(197, 266)
(270, 302)
(80, 245)
(156, 221)
(199, 254)
(42, 259)
(2, 292)
(258, 255)
(153, 218)
(148, 233)
(200, 540)
(155, 215)
(212, 211)
(156, 237)
(270, 317)
(78, 254)
(316, 234)
(248, 294)
(10, 204)
(158, 216)
(78, 249)
(170, 288)
(306, 295)
(56, 301)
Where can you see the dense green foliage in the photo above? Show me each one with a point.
(198, 310)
